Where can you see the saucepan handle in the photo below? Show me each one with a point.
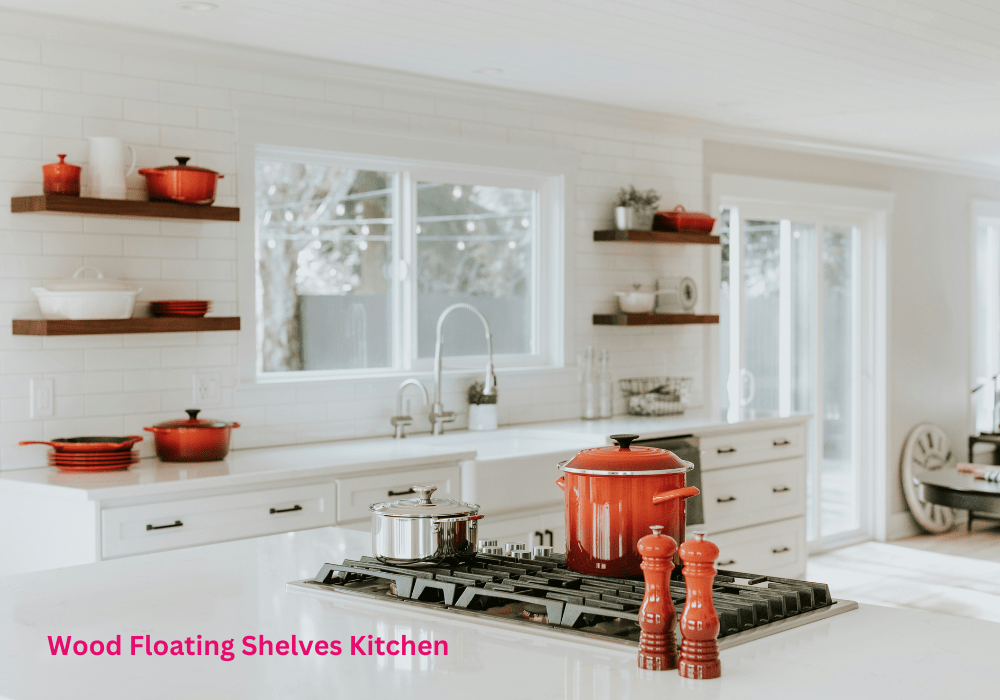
(685, 492)
(36, 442)
(561, 482)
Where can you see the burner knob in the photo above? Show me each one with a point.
(521, 554)
(541, 552)
(486, 543)
(491, 550)
(509, 547)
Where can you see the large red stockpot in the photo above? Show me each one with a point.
(613, 496)
(192, 440)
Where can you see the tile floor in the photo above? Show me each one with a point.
(957, 573)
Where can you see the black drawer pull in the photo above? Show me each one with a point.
(781, 443)
(541, 538)
(286, 510)
(401, 493)
(727, 499)
(728, 562)
(177, 523)
(780, 489)
(551, 537)
(726, 450)
(780, 550)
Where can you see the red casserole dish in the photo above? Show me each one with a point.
(181, 183)
(613, 496)
(192, 440)
(679, 219)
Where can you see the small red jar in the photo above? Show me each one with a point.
(61, 178)
(613, 496)
(192, 440)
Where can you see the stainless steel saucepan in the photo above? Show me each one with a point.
(423, 530)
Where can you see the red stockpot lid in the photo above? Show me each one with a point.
(195, 422)
(623, 460)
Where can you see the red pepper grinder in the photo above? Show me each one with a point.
(699, 622)
(657, 616)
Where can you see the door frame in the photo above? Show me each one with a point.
(871, 210)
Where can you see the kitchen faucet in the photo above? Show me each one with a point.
(401, 420)
(438, 415)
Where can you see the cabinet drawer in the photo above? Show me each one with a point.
(758, 493)
(354, 495)
(537, 528)
(775, 548)
(733, 449)
(196, 521)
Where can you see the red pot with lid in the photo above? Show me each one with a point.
(181, 183)
(613, 496)
(680, 219)
(61, 178)
(192, 440)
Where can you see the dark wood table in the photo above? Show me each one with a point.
(990, 438)
(949, 487)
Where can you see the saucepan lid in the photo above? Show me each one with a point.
(423, 506)
(624, 459)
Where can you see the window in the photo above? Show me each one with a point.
(986, 316)
(357, 258)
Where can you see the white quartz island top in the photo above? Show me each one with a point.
(237, 589)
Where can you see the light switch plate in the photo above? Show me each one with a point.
(207, 390)
(43, 398)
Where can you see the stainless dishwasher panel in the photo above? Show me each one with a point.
(686, 447)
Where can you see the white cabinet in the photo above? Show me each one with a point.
(753, 494)
(356, 494)
(775, 549)
(532, 528)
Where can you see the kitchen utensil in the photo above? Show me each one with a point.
(657, 615)
(613, 495)
(637, 301)
(61, 178)
(86, 445)
(192, 440)
(656, 396)
(423, 530)
(179, 308)
(78, 297)
(675, 295)
(679, 219)
(182, 182)
(107, 167)
(699, 621)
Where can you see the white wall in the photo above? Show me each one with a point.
(61, 82)
(929, 333)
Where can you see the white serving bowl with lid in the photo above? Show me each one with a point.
(79, 298)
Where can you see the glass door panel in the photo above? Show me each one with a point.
(759, 376)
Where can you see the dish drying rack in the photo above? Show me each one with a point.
(656, 396)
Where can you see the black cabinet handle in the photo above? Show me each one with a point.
(286, 510)
(727, 499)
(729, 562)
(781, 443)
(780, 550)
(726, 450)
(401, 493)
(551, 537)
(177, 523)
(780, 489)
(541, 538)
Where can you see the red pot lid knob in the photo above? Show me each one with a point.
(698, 550)
(657, 545)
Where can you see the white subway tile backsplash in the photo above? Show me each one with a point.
(198, 269)
(198, 356)
(38, 76)
(158, 68)
(33, 362)
(122, 358)
(200, 139)
(116, 404)
(20, 97)
(81, 244)
(81, 57)
(159, 112)
(194, 95)
(160, 247)
(119, 86)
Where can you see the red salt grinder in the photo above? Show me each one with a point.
(699, 622)
(657, 616)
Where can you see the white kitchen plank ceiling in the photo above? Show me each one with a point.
(915, 76)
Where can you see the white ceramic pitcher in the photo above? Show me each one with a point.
(107, 167)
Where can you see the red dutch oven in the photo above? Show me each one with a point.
(613, 496)
(181, 183)
(192, 440)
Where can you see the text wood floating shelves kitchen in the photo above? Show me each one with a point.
(125, 325)
(653, 319)
(63, 204)
(657, 237)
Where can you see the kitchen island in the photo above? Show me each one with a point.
(237, 590)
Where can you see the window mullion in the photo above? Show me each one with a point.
(405, 325)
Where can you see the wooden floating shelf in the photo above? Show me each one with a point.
(653, 319)
(125, 325)
(631, 236)
(63, 204)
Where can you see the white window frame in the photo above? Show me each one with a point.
(985, 312)
(871, 209)
(549, 172)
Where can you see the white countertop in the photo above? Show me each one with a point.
(235, 589)
(258, 466)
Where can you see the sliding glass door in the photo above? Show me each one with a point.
(791, 339)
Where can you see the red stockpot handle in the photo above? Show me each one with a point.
(686, 492)
(561, 482)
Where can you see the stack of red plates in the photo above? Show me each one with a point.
(93, 461)
(190, 308)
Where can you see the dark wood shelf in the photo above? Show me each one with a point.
(631, 236)
(62, 204)
(125, 325)
(653, 319)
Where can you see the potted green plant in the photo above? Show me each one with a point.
(633, 206)
(482, 408)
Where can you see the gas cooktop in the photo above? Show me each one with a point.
(541, 595)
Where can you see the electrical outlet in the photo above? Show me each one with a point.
(207, 391)
(43, 398)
